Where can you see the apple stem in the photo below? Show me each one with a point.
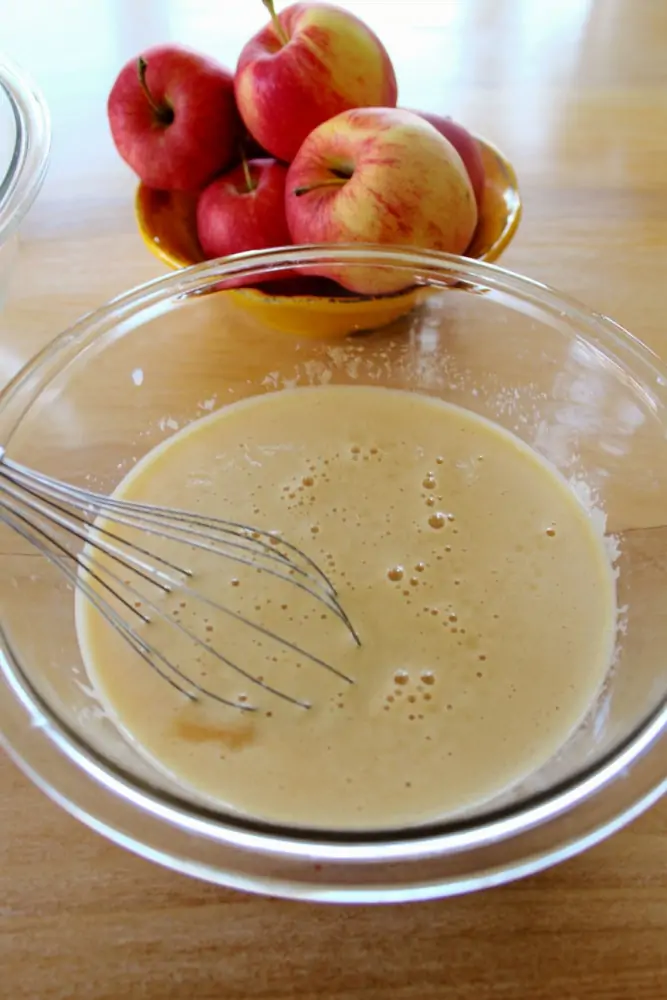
(162, 112)
(277, 26)
(246, 171)
(331, 182)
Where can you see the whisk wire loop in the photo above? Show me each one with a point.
(52, 516)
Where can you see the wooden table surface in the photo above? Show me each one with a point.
(575, 91)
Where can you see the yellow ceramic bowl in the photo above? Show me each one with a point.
(166, 221)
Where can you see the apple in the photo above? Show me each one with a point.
(173, 118)
(379, 175)
(244, 209)
(311, 62)
(466, 146)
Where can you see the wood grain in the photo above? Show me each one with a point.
(575, 92)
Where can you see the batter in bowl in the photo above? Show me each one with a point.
(479, 586)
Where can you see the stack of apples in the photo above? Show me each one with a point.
(302, 144)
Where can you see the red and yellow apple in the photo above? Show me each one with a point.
(466, 146)
(379, 175)
(311, 62)
(173, 118)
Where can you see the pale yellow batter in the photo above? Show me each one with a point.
(478, 585)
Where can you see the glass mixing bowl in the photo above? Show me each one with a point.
(25, 138)
(580, 390)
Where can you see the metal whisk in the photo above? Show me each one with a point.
(56, 517)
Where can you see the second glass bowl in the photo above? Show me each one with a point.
(25, 139)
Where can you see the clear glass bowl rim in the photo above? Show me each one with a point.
(29, 163)
(430, 268)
